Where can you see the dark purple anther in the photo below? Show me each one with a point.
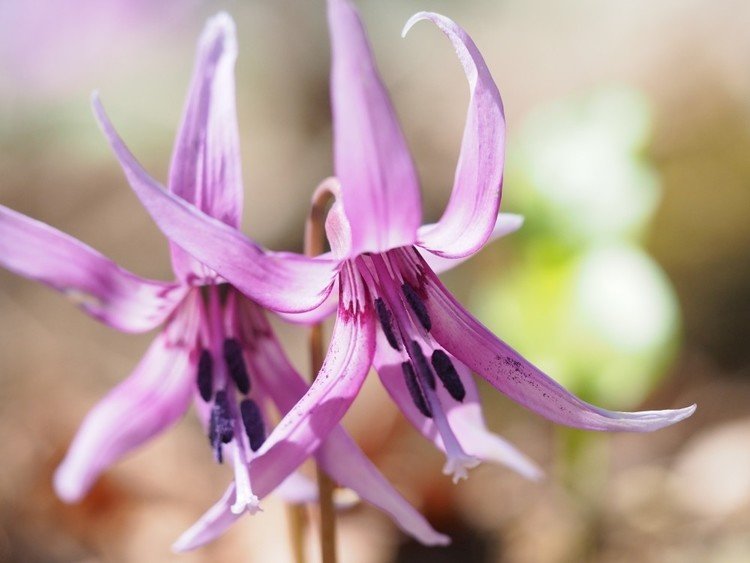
(447, 373)
(205, 375)
(221, 429)
(417, 305)
(420, 362)
(236, 365)
(384, 315)
(252, 419)
(417, 396)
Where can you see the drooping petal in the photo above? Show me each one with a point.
(96, 284)
(465, 418)
(155, 396)
(281, 282)
(346, 464)
(339, 455)
(470, 216)
(304, 427)
(206, 166)
(371, 159)
(468, 340)
(506, 224)
(211, 525)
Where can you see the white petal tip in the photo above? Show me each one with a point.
(182, 545)
(419, 16)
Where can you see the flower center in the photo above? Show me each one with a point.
(394, 282)
(224, 383)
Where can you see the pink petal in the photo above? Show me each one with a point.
(470, 216)
(506, 224)
(342, 459)
(465, 337)
(308, 423)
(206, 168)
(100, 287)
(211, 525)
(465, 418)
(155, 396)
(340, 456)
(371, 159)
(279, 281)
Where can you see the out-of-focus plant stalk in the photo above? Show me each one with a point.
(583, 460)
(297, 518)
(314, 246)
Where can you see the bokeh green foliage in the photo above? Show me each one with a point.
(584, 301)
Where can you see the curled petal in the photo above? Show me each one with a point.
(506, 224)
(465, 418)
(282, 282)
(470, 216)
(155, 395)
(100, 287)
(206, 168)
(304, 427)
(211, 525)
(371, 159)
(467, 339)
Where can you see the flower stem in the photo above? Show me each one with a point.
(297, 522)
(314, 246)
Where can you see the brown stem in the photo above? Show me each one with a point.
(297, 519)
(314, 245)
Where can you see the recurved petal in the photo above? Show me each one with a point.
(468, 340)
(211, 525)
(371, 159)
(152, 398)
(282, 282)
(95, 283)
(303, 429)
(206, 167)
(465, 418)
(470, 216)
(506, 224)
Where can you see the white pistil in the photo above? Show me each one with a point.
(458, 462)
(245, 499)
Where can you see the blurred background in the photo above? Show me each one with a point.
(629, 155)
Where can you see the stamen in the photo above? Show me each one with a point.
(417, 305)
(205, 375)
(252, 419)
(447, 373)
(221, 430)
(236, 364)
(384, 315)
(415, 390)
(423, 368)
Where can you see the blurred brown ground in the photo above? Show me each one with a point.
(682, 494)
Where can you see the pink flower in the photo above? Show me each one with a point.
(216, 347)
(392, 311)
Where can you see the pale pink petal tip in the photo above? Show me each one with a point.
(68, 485)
